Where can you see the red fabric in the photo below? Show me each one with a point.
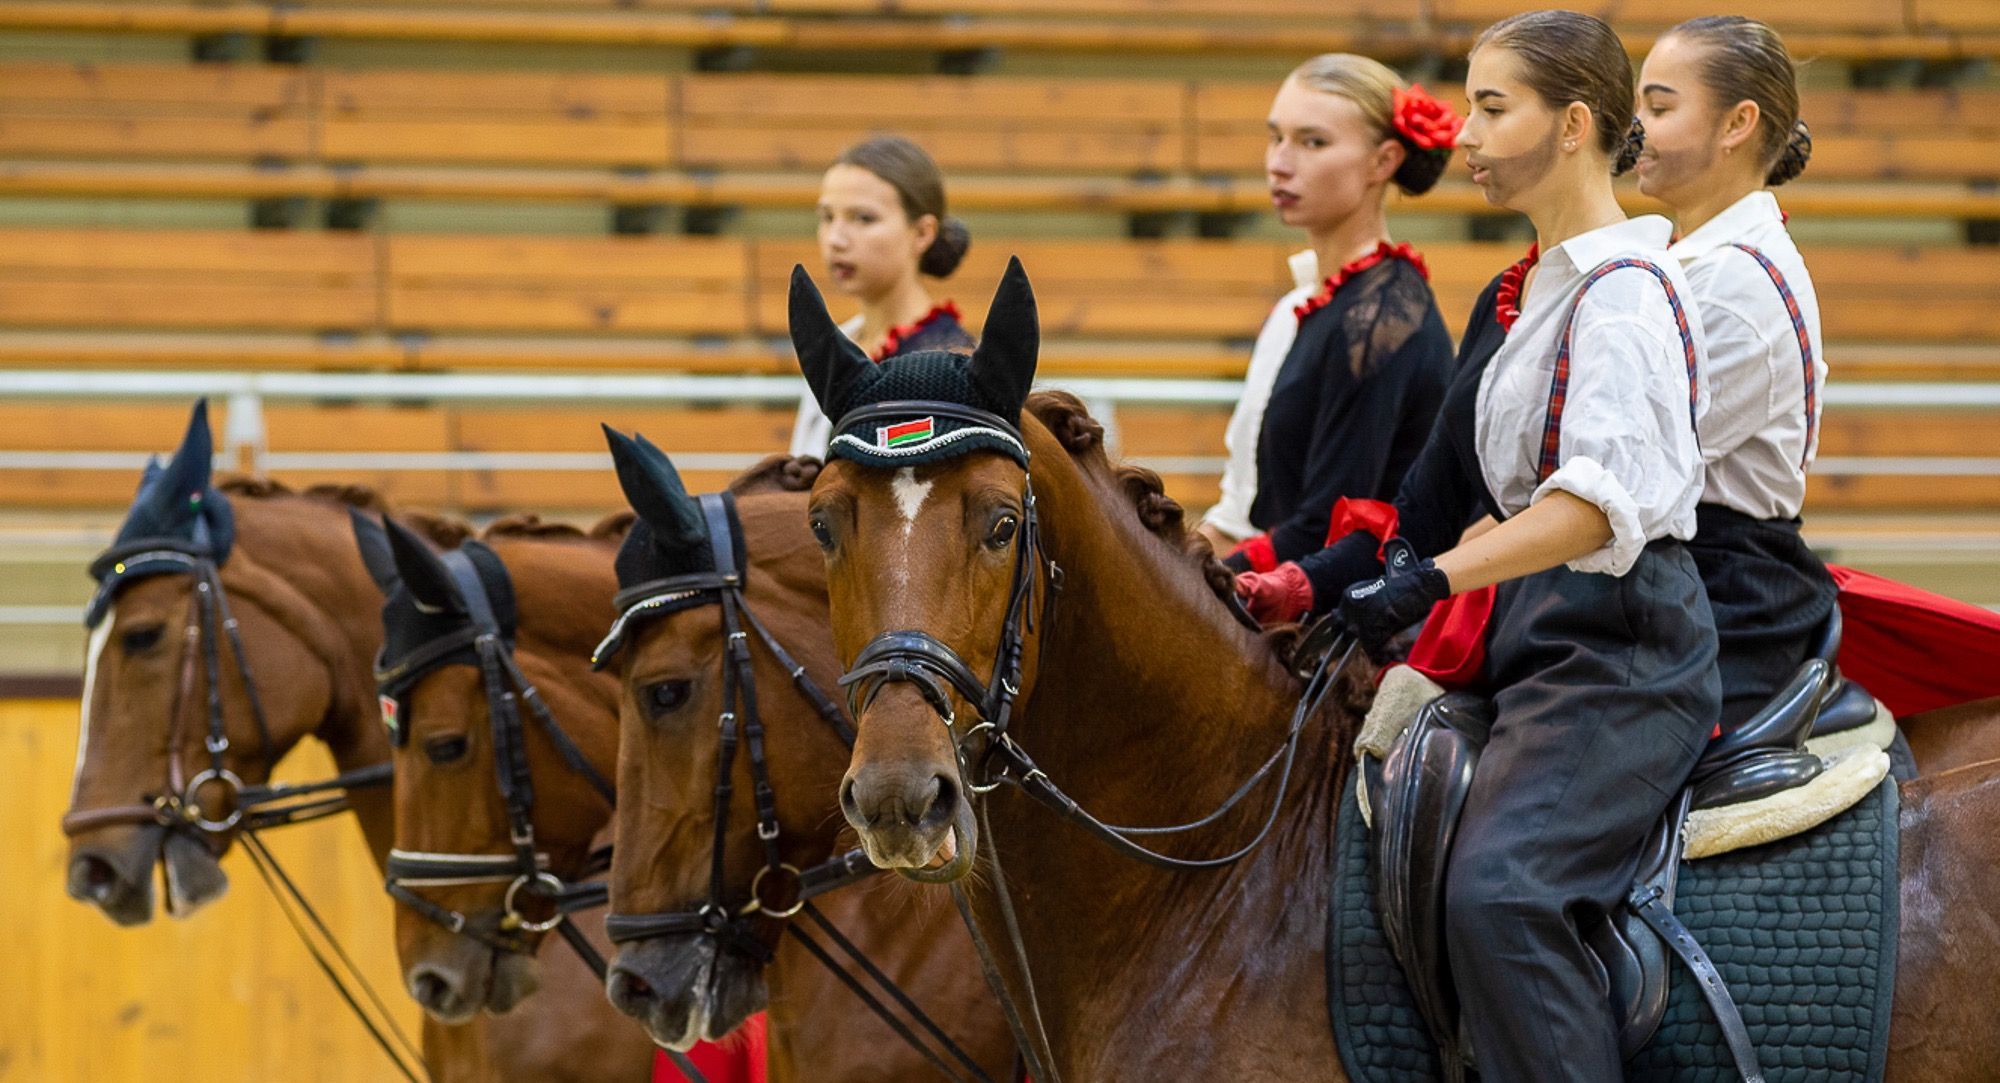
(901, 333)
(1915, 650)
(1258, 552)
(1383, 250)
(737, 1059)
(1452, 646)
(1352, 513)
(1507, 299)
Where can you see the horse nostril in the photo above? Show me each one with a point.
(848, 803)
(430, 989)
(91, 878)
(629, 992)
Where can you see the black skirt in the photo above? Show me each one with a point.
(1771, 595)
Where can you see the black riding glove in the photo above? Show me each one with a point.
(1375, 610)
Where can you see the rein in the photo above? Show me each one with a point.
(918, 658)
(178, 807)
(779, 890)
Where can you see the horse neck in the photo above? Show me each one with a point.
(299, 555)
(1145, 666)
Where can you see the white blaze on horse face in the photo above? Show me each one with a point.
(99, 636)
(910, 496)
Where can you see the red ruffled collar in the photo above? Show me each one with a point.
(1383, 251)
(902, 333)
(1507, 299)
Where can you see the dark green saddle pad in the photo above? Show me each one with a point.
(1803, 930)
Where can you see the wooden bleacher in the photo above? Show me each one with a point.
(466, 302)
(760, 140)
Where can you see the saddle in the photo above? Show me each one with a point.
(1415, 794)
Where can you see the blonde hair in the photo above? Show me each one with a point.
(1372, 86)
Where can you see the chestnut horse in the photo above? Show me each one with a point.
(309, 626)
(686, 985)
(1140, 694)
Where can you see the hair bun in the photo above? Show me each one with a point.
(1628, 154)
(944, 254)
(1792, 160)
(1421, 169)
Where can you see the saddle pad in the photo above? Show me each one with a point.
(1803, 930)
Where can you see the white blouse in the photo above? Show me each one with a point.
(1627, 442)
(811, 429)
(1231, 514)
(1760, 435)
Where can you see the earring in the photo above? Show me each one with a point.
(1569, 146)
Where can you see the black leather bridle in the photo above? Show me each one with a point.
(779, 890)
(177, 806)
(525, 869)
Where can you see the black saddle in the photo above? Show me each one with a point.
(1418, 792)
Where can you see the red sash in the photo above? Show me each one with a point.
(738, 1059)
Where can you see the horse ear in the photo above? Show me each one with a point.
(1003, 366)
(373, 541)
(654, 489)
(186, 476)
(422, 573)
(830, 360)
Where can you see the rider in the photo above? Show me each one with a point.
(1577, 435)
(1349, 369)
(882, 228)
(1721, 103)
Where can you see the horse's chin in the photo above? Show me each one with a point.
(954, 854)
(194, 875)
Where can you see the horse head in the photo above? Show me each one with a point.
(197, 597)
(927, 520)
(502, 738)
(708, 707)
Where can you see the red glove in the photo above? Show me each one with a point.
(1257, 552)
(1276, 597)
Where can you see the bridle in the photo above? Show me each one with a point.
(482, 642)
(177, 806)
(779, 890)
(918, 658)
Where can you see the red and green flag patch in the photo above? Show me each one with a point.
(909, 432)
(389, 718)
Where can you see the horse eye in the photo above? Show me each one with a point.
(443, 750)
(822, 534)
(1003, 531)
(667, 697)
(140, 640)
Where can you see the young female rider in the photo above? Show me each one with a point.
(1577, 435)
(882, 227)
(1721, 106)
(1349, 369)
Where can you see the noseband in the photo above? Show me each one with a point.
(178, 806)
(526, 868)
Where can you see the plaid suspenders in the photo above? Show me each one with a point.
(1559, 384)
(1805, 344)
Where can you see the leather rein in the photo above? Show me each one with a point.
(918, 658)
(779, 890)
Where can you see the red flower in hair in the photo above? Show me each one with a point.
(1425, 122)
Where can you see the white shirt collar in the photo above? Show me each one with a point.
(1586, 251)
(1305, 269)
(1737, 222)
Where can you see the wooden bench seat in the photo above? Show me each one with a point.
(1851, 29)
(1183, 290)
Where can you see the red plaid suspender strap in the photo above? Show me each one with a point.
(1805, 344)
(1559, 382)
